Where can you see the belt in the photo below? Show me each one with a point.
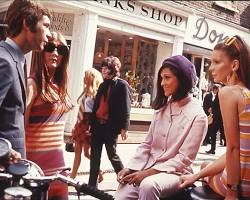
(102, 121)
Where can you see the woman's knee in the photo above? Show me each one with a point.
(148, 186)
(124, 192)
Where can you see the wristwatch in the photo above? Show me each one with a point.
(233, 187)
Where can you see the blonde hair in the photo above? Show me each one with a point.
(92, 80)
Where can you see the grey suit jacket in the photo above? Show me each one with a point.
(12, 97)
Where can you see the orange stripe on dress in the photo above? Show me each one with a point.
(245, 174)
(44, 140)
(35, 147)
(48, 124)
(245, 136)
(44, 130)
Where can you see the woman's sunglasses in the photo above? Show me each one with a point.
(61, 49)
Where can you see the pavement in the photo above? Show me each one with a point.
(125, 151)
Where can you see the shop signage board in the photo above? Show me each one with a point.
(62, 22)
(145, 11)
(206, 33)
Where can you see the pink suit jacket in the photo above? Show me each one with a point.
(174, 138)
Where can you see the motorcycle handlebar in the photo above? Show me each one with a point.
(99, 194)
(5, 176)
(80, 187)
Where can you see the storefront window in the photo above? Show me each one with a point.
(202, 65)
(137, 56)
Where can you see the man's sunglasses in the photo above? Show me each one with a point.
(61, 49)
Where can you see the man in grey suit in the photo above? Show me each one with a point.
(28, 29)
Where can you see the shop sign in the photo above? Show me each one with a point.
(204, 31)
(62, 22)
(142, 10)
(207, 33)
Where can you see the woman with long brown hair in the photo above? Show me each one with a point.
(47, 103)
(229, 176)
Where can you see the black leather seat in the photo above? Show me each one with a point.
(204, 193)
(183, 194)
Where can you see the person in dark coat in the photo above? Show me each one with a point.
(207, 107)
(217, 124)
(111, 115)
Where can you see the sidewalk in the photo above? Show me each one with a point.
(126, 151)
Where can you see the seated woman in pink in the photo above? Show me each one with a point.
(177, 130)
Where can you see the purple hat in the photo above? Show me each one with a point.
(183, 64)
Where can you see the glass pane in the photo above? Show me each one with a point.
(141, 76)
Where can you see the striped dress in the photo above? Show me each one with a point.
(219, 182)
(44, 142)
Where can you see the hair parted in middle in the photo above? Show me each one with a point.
(42, 77)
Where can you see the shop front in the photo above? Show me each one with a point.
(140, 34)
(202, 34)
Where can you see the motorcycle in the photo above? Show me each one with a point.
(25, 180)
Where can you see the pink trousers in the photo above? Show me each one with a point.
(151, 188)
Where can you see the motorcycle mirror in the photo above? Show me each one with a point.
(18, 169)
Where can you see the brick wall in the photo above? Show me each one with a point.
(209, 9)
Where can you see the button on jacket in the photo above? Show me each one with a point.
(174, 138)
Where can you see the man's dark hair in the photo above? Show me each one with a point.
(215, 87)
(20, 10)
(113, 63)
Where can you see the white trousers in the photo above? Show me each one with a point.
(151, 188)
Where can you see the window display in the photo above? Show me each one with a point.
(138, 58)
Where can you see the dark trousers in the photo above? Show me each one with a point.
(215, 127)
(222, 138)
(100, 136)
(207, 139)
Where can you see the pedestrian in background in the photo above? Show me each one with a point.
(217, 123)
(229, 176)
(47, 104)
(207, 107)
(28, 29)
(176, 132)
(81, 132)
(111, 114)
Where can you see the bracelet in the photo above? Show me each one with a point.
(233, 187)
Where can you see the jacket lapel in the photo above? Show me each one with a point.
(18, 67)
(21, 75)
(22, 81)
